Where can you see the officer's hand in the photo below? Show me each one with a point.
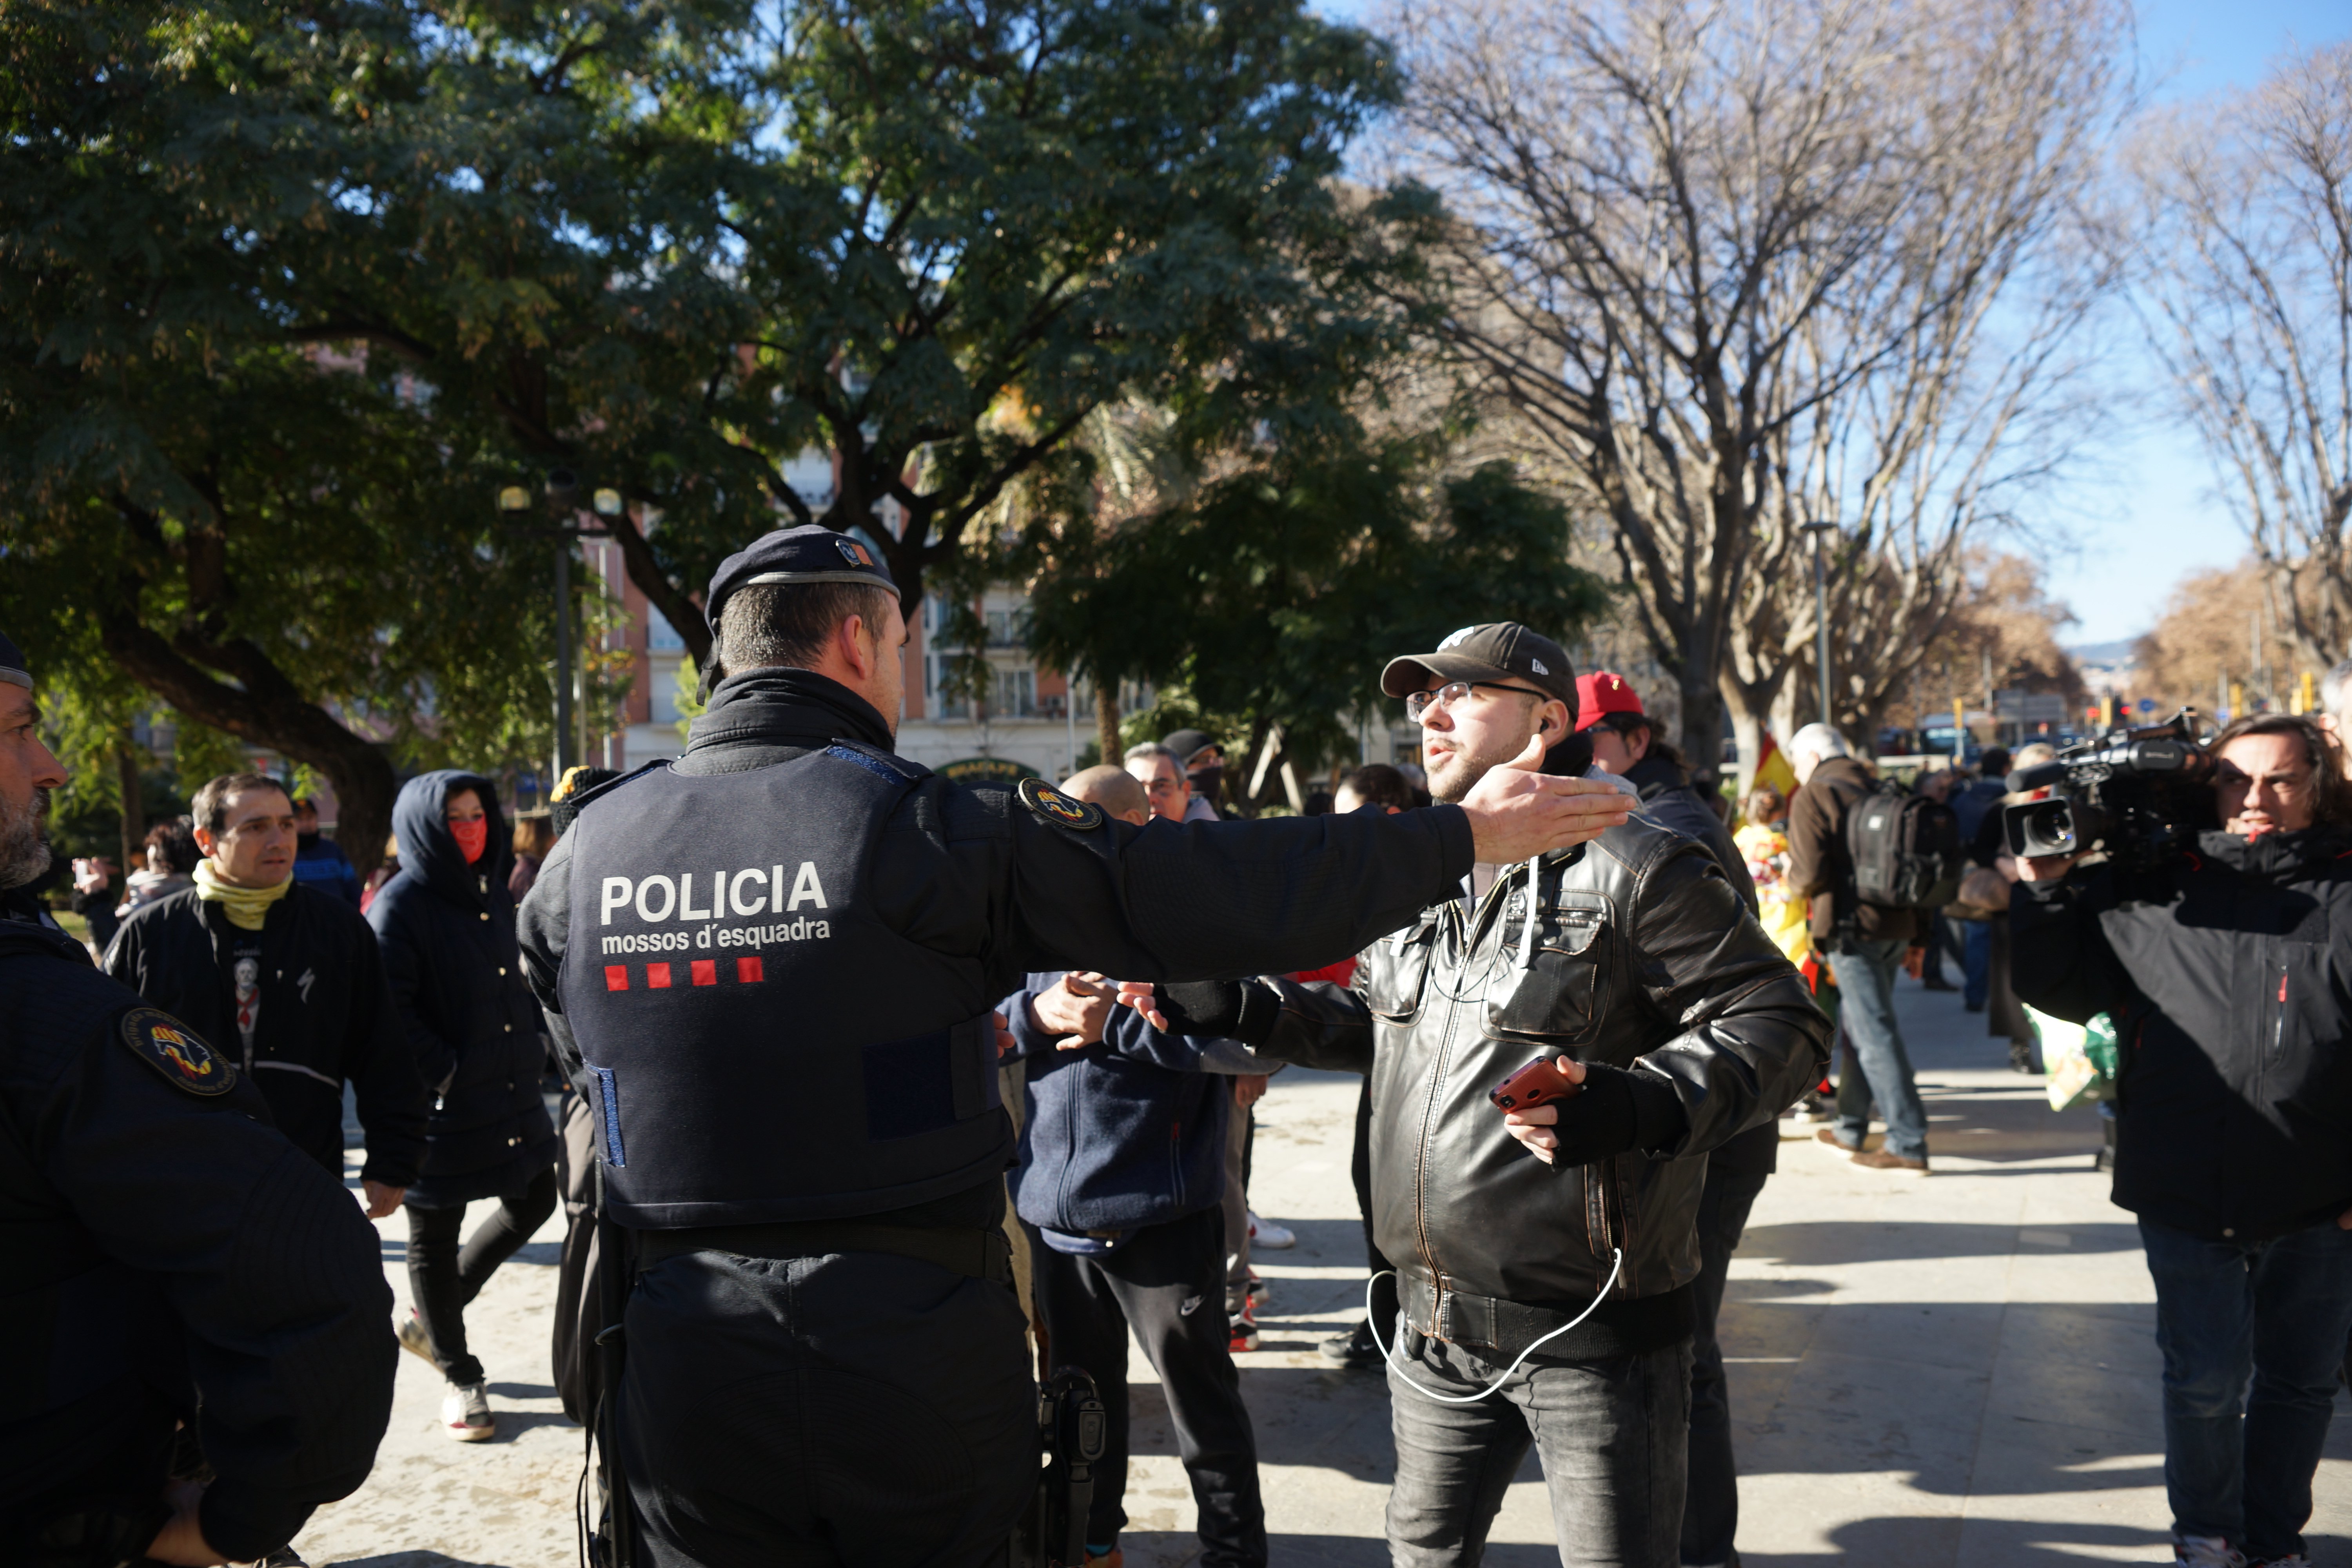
(1517, 813)
(1076, 1006)
(1005, 1044)
(1249, 1088)
(1144, 998)
(181, 1540)
(382, 1198)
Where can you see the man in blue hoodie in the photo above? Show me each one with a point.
(1120, 1186)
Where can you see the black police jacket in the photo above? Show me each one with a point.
(171, 1255)
(2233, 1018)
(978, 889)
(325, 1015)
(1641, 957)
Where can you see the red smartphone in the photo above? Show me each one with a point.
(1540, 1082)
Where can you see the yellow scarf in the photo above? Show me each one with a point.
(246, 907)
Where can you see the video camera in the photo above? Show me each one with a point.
(2138, 795)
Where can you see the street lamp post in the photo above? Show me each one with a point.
(561, 485)
(1822, 611)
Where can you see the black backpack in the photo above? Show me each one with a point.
(1905, 849)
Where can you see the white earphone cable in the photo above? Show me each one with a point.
(1388, 1351)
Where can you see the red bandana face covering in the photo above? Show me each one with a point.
(473, 837)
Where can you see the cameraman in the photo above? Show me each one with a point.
(2235, 1097)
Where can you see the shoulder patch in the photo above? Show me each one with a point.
(1056, 807)
(176, 1051)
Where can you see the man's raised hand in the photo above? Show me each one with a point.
(1518, 813)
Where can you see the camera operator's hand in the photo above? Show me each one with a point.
(2044, 868)
(1517, 813)
(181, 1539)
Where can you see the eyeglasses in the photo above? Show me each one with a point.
(1417, 704)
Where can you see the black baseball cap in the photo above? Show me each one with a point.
(1189, 744)
(12, 663)
(1501, 651)
(810, 554)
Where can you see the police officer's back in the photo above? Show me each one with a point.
(166, 1248)
(775, 963)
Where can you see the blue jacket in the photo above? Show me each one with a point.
(447, 931)
(319, 862)
(1127, 1131)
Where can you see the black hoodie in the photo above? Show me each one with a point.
(447, 931)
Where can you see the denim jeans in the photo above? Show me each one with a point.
(1611, 1435)
(2252, 1334)
(1976, 961)
(1711, 1510)
(1865, 977)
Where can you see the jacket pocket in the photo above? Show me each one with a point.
(1397, 968)
(1550, 986)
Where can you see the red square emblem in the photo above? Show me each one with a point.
(616, 977)
(705, 971)
(658, 976)
(748, 971)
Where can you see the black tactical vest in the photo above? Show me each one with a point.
(762, 1047)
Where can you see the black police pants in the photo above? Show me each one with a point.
(1166, 1285)
(856, 1409)
(443, 1280)
(1711, 1505)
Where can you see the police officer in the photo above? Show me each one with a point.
(171, 1258)
(775, 961)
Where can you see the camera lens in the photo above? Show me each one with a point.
(2040, 827)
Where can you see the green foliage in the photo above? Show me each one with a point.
(1276, 593)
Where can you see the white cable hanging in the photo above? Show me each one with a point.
(1388, 1351)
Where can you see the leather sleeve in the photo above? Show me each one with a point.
(1751, 1039)
(1322, 1025)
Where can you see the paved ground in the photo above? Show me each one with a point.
(1950, 1372)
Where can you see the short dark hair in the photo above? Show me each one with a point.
(1377, 784)
(1630, 724)
(769, 624)
(175, 841)
(2321, 752)
(1992, 763)
(210, 808)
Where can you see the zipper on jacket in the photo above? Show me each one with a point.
(2278, 1024)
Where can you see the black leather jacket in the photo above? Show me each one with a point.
(1642, 958)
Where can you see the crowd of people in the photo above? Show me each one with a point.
(1024, 1032)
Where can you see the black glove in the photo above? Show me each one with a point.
(1617, 1111)
(1220, 1009)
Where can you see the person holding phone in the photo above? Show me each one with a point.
(1547, 1258)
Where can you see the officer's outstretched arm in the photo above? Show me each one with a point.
(261, 1255)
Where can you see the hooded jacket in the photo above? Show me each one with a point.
(447, 932)
(2233, 1020)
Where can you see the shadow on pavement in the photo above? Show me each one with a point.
(405, 1559)
(1826, 1243)
(1168, 1549)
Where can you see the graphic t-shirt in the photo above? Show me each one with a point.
(245, 955)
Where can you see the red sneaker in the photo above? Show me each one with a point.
(1244, 1332)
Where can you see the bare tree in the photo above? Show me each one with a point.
(1729, 266)
(2247, 294)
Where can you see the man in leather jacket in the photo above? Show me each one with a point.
(1685, 1027)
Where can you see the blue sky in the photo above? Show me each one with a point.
(2144, 511)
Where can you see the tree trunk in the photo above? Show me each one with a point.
(268, 712)
(135, 819)
(1107, 719)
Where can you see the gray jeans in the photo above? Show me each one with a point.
(1865, 982)
(1611, 1435)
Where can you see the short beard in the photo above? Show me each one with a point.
(23, 853)
(1464, 771)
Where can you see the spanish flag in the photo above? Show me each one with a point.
(1773, 768)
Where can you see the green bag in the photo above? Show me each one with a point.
(2079, 1060)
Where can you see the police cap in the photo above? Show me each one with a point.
(12, 663)
(810, 554)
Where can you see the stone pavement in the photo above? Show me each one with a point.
(1957, 1372)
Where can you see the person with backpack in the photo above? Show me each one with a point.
(1869, 861)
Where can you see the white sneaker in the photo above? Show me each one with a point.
(2205, 1551)
(410, 1333)
(1272, 1237)
(466, 1413)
